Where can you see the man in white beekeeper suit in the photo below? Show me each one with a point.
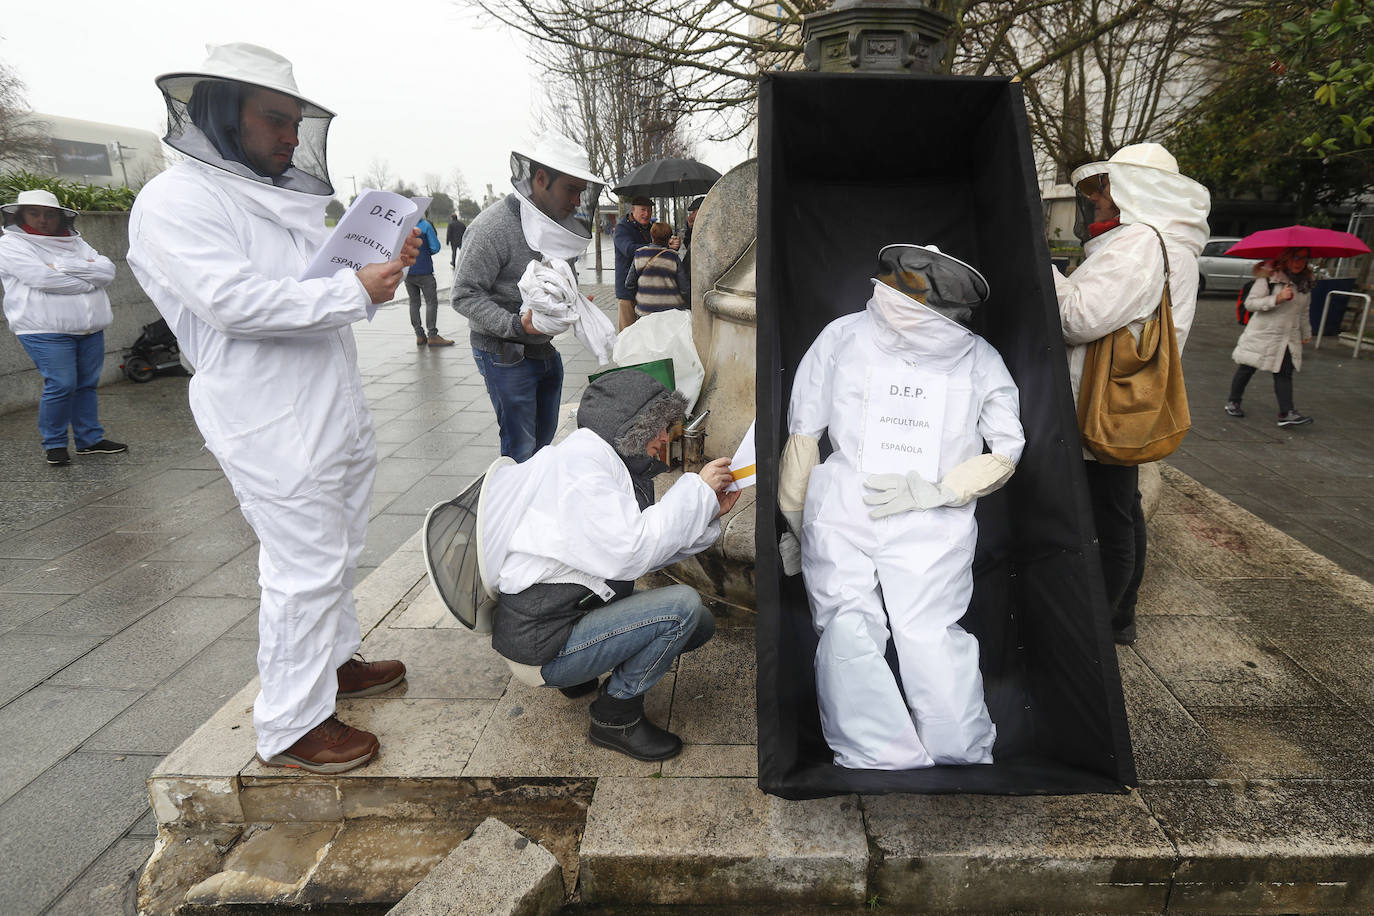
(1129, 207)
(908, 395)
(217, 241)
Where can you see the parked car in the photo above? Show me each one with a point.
(1218, 273)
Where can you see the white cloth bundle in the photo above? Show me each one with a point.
(549, 292)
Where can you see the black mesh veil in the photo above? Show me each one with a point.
(204, 122)
(938, 280)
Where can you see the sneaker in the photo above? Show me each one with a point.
(359, 678)
(437, 341)
(58, 456)
(421, 340)
(1293, 418)
(103, 447)
(330, 747)
(1233, 408)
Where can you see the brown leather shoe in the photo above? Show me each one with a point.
(421, 340)
(330, 747)
(359, 678)
(437, 341)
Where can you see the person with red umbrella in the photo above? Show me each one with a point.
(1278, 328)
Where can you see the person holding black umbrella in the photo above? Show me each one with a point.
(630, 235)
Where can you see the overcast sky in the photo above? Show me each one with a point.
(422, 84)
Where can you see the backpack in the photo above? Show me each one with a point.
(1242, 313)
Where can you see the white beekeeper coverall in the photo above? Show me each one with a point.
(1121, 280)
(278, 398)
(54, 284)
(915, 564)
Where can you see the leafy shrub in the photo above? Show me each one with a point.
(82, 197)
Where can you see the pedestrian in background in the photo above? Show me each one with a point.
(1273, 339)
(56, 304)
(420, 280)
(631, 234)
(454, 237)
(655, 278)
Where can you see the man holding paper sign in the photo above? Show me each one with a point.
(522, 369)
(219, 241)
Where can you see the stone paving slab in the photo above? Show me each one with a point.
(959, 853)
(720, 841)
(494, 872)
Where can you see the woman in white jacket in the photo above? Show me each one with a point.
(1279, 326)
(55, 302)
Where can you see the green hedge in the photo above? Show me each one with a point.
(69, 193)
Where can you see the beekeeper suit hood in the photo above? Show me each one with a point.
(228, 114)
(550, 237)
(1145, 184)
(628, 409)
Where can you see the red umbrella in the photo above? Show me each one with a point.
(1323, 243)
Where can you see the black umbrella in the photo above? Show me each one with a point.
(668, 178)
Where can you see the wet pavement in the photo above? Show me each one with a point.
(128, 582)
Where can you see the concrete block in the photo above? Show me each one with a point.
(220, 747)
(713, 702)
(448, 663)
(56, 826)
(379, 860)
(992, 854)
(1269, 847)
(1168, 742)
(494, 872)
(195, 799)
(536, 731)
(48, 723)
(702, 760)
(268, 865)
(421, 739)
(719, 842)
(1300, 742)
(1213, 662)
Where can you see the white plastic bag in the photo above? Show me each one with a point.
(664, 335)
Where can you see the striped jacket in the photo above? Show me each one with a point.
(656, 279)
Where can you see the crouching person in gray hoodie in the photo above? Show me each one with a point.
(565, 535)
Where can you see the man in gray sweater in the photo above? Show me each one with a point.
(521, 367)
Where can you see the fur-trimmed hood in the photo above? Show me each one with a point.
(628, 409)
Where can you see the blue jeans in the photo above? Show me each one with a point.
(70, 365)
(526, 395)
(636, 639)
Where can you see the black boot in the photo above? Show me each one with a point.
(621, 726)
(578, 690)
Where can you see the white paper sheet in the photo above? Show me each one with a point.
(743, 466)
(371, 231)
(904, 418)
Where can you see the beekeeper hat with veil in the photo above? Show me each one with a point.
(212, 112)
(556, 155)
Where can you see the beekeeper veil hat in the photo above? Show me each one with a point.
(937, 280)
(554, 153)
(207, 107)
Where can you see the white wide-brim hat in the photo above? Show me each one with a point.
(557, 152)
(1145, 155)
(244, 63)
(37, 198)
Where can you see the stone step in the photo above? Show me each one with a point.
(494, 872)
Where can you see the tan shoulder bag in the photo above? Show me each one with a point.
(1132, 404)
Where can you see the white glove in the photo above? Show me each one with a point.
(790, 550)
(893, 493)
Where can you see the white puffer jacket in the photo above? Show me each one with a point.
(54, 285)
(1275, 326)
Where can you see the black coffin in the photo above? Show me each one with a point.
(848, 163)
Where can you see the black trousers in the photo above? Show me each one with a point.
(1120, 523)
(1283, 383)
